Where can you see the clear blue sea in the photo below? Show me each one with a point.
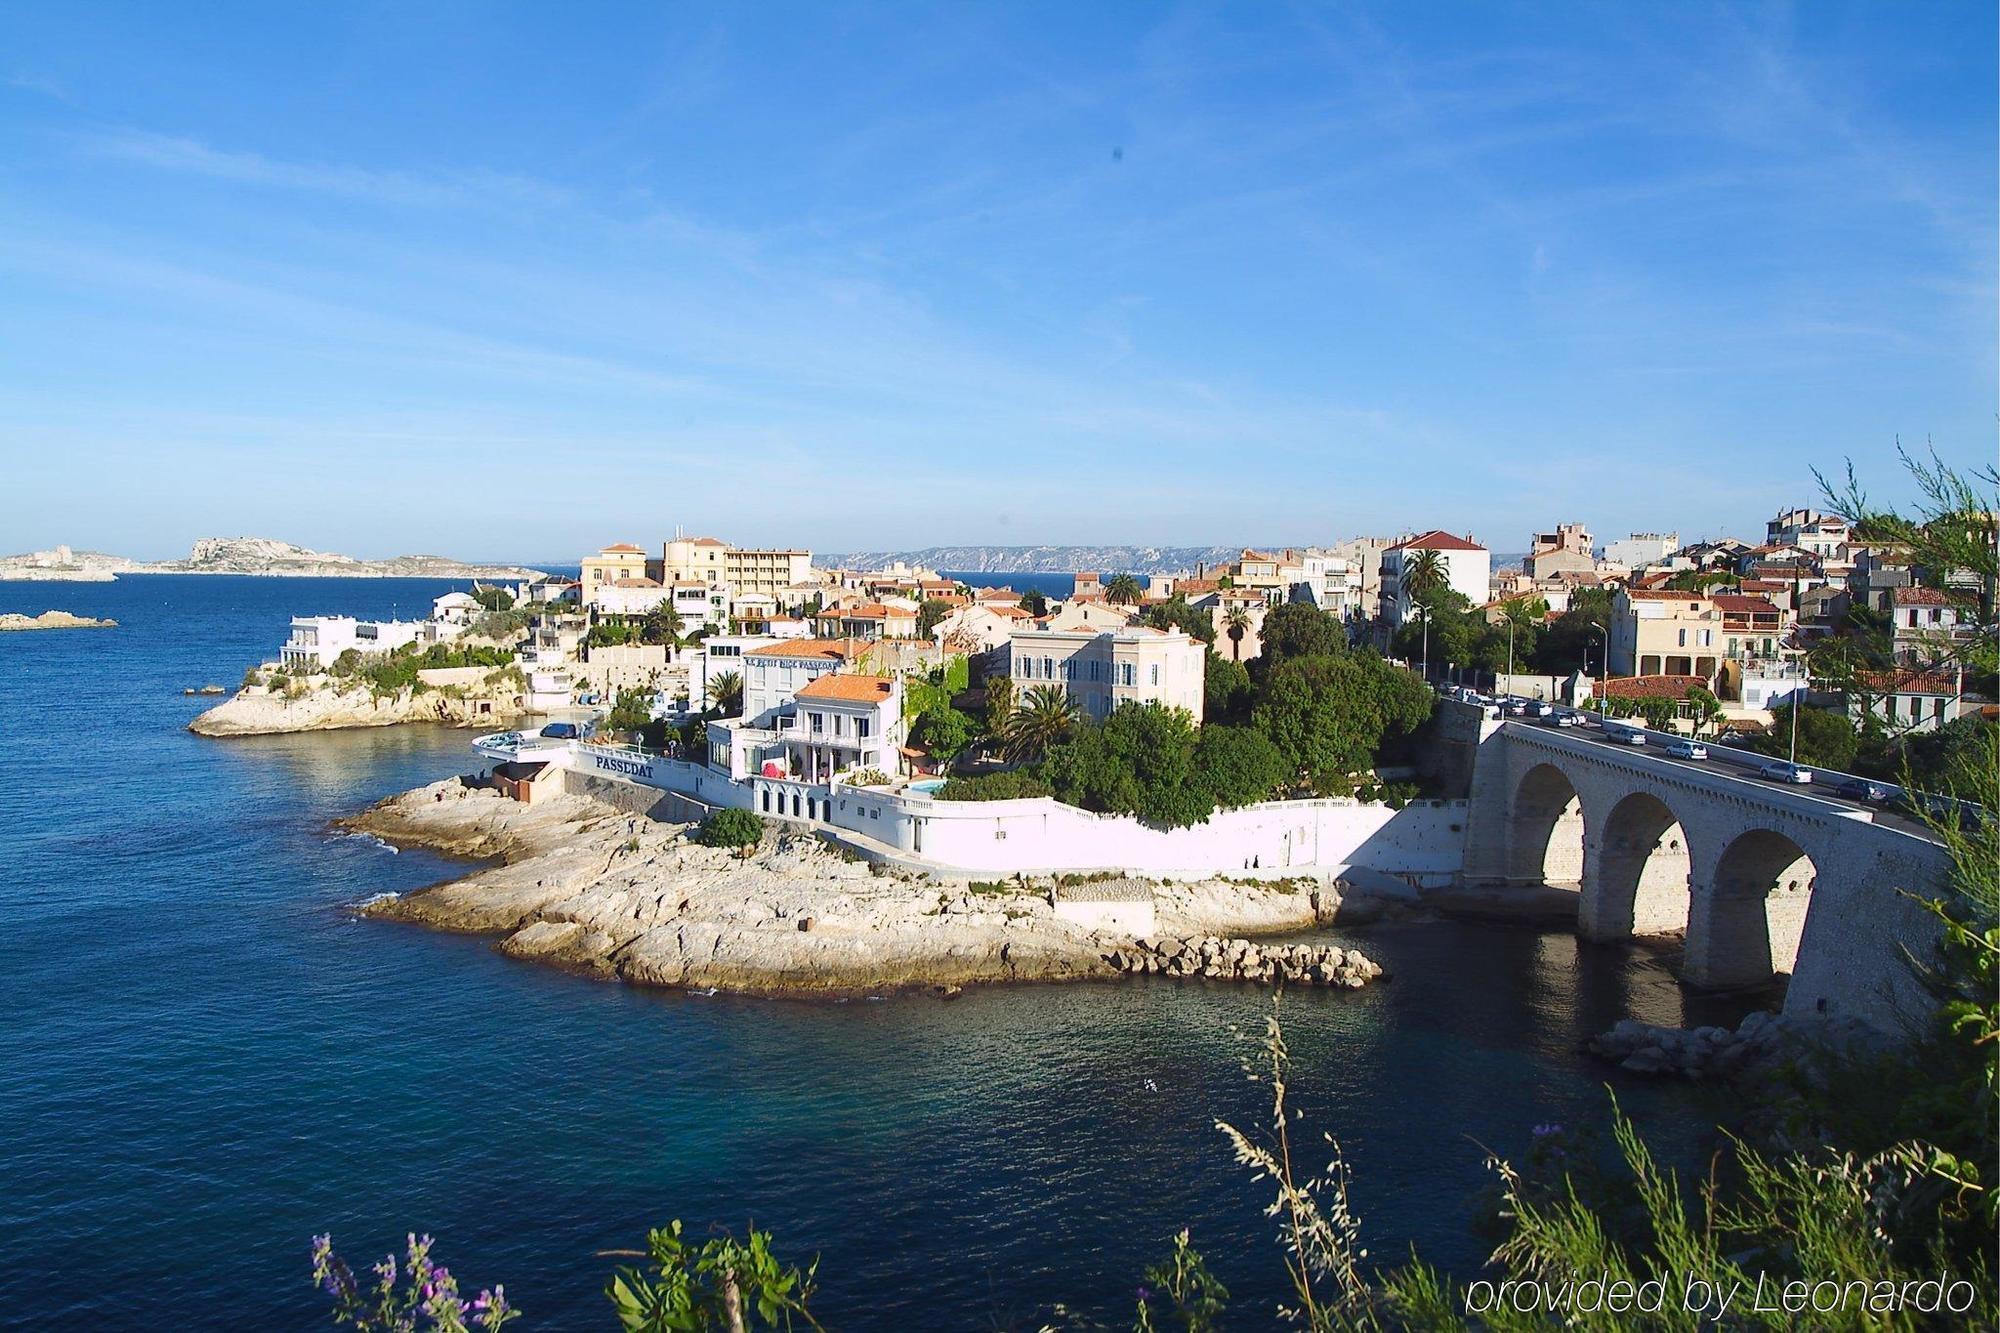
(204, 1059)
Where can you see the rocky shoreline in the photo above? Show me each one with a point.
(14, 620)
(260, 711)
(582, 886)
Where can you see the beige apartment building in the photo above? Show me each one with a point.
(1100, 669)
(718, 564)
(618, 563)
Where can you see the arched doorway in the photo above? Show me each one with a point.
(1754, 913)
(1545, 830)
(1640, 883)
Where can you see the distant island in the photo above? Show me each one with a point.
(247, 555)
(14, 620)
(1042, 559)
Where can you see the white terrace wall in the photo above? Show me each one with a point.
(1421, 843)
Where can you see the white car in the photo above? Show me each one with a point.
(1624, 735)
(1680, 749)
(1778, 770)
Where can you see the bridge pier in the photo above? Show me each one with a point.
(1762, 880)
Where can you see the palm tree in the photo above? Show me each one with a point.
(662, 624)
(1236, 623)
(725, 691)
(1044, 719)
(1124, 590)
(1425, 571)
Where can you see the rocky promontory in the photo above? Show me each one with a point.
(267, 710)
(14, 620)
(583, 886)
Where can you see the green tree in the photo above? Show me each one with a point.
(493, 599)
(1659, 711)
(1704, 711)
(1300, 629)
(1011, 784)
(1826, 738)
(944, 731)
(1225, 689)
(1239, 765)
(1140, 761)
(633, 710)
(1034, 603)
(1043, 719)
(1175, 613)
(1124, 590)
(933, 610)
(741, 829)
(1330, 715)
(725, 692)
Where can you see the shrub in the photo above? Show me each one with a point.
(1013, 785)
(730, 828)
(867, 777)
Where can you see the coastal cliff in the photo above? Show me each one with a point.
(583, 886)
(246, 555)
(258, 710)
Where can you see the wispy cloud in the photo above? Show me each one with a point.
(192, 157)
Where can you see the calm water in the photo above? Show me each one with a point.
(204, 1060)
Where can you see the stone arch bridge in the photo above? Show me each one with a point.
(1761, 879)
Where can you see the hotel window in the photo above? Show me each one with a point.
(839, 724)
(1683, 639)
(1095, 672)
(1127, 675)
(818, 722)
(861, 727)
(1048, 668)
(1069, 668)
(1156, 673)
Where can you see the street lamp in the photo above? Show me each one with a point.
(1424, 614)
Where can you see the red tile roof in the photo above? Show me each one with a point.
(847, 687)
(1436, 540)
(1743, 605)
(623, 548)
(1647, 687)
(1663, 595)
(1917, 682)
(1920, 597)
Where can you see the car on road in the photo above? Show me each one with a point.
(1551, 718)
(1861, 789)
(1684, 749)
(1515, 708)
(1779, 770)
(1536, 708)
(1624, 735)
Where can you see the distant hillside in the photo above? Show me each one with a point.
(249, 555)
(1041, 559)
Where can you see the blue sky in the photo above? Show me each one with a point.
(522, 279)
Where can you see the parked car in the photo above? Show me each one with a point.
(1684, 749)
(562, 731)
(1536, 708)
(1861, 789)
(1515, 708)
(1779, 770)
(1551, 718)
(1624, 735)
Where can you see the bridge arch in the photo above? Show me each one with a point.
(1545, 829)
(1751, 914)
(1640, 880)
